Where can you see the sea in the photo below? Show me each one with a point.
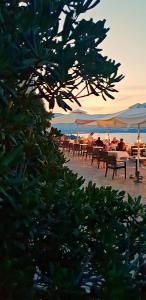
(128, 134)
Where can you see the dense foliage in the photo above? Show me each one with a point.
(57, 237)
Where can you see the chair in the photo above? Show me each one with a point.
(65, 145)
(88, 152)
(77, 149)
(95, 155)
(103, 157)
(134, 150)
(99, 155)
(70, 147)
(115, 165)
(143, 152)
(83, 149)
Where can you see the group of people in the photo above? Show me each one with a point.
(115, 144)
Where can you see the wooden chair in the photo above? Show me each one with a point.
(89, 151)
(103, 157)
(115, 165)
(99, 155)
(65, 145)
(134, 150)
(83, 149)
(71, 147)
(95, 155)
(77, 149)
(143, 152)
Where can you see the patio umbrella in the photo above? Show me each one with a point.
(69, 118)
(79, 117)
(134, 116)
(104, 121)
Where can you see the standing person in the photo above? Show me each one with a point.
(90, 138)
(121, 146)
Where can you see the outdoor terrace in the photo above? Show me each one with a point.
(78, 164)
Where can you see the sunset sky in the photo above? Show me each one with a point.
(126, 43)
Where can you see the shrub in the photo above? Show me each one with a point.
(54, 232)
(96, 238)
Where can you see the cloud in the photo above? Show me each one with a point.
(94, 107)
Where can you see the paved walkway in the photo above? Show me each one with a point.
(91, 173)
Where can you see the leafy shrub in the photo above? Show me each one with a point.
(95, 233)
(56, 235)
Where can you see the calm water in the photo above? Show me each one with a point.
(129, 138)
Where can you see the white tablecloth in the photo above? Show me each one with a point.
(120, 155)
(98, 147)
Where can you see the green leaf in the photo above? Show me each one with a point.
(11, 156)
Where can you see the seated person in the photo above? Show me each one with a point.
(106, 145)
(99, 142)
(121, 146)
(114, 141)
(113, 144)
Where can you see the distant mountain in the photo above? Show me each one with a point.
(88, 116)
(78, 116)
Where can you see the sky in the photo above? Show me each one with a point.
(126, 43)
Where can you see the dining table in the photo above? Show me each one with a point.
(120, 155)
(83, 147)
(97, 147)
